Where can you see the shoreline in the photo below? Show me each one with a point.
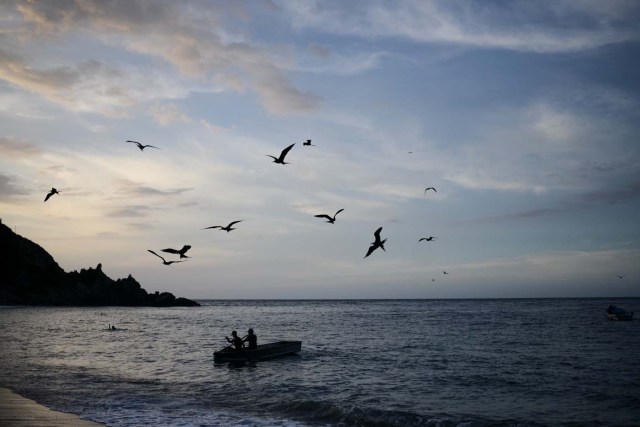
(19, 411)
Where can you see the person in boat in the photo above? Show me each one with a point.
(252, 339)
(236, 341)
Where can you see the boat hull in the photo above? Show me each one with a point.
(263, 352)
(620, 316)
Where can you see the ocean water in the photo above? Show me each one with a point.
(467, 363)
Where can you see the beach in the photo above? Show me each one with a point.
(18, 411)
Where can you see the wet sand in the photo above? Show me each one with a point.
(18, 411)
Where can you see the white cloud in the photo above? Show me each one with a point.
(166, 114)
(528, 26)
(191, 38)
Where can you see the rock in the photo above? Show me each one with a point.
(30, 276)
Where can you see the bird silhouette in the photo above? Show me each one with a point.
(444, 272)
(429, 188)
(330, 220)
(377, 243)
(308, 143)
(51, 193)
(228, 228)
(142, 147)
(180, 252)
(282, 155)
(428, 239)
(619, 276)
(164, 261)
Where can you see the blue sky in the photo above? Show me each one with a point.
(523, 115)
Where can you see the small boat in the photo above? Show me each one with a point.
(617, 313)
(264, 351)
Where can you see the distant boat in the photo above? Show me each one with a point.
(617, 313)
(264, 351)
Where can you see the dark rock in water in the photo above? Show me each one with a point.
(30, 276)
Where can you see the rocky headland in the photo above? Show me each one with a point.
(30, 276)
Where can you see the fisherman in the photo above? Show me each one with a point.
(252, 339)
(236, 341)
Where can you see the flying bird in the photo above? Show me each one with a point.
(164, 261)
(282, 155)
(330, 220)
(428, 239)
(180, 252)
(228, 228)
(51, 193)
(308, 143)
(377, 243)
(444, 272)
(429, 188)
(619, 276)
(142, 147)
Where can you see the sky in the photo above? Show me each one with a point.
(523, 115)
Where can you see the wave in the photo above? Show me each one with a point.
(323, 412)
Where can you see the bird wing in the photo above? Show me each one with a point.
(170, 251)
(184, 249)
(157, 255)
(285, 151)
(48, 195)
(134, 142)
(377, 234)
(323, 216)
(334, 215)
(171, 262)
(234, 222)
(213, 226)
(421, 239)
(152, 146)
(371, 249)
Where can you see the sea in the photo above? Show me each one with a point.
(464, 363)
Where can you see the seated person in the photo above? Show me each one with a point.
(238, 345)
(252, 339)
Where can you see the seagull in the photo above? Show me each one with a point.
(619, 277)
(377, 243)
(329, 219)
(428, 239)
(308, 143)
(282, 155)
(228, 228)
(429, 188)
(164, 261)
(180, 252)
(51, 193)
(142, 147)
(444, 272)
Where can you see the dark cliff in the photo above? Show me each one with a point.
(30, 276)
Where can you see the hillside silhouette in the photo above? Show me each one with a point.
(30, 276)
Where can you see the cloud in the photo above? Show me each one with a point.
(130, 211)
(8, 189)
(15, 148)
(192, 37)
(89, 86)
(131, 189)
(166, 114)
(589, 199)
(561, 26)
